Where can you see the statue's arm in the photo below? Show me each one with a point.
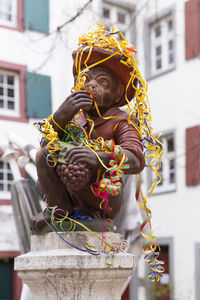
(94, 161)
(69, 108)
(128, 138)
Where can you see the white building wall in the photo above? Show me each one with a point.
(47, 55)
(174, 103)
(174, 99)
(8, 235)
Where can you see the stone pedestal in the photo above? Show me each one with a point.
(55, 271)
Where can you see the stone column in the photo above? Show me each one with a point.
(55, 271)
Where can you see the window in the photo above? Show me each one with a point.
(197, 270)
(6, 177)
(9, 93)
(23, 94)
(159, 57)
(119, 16)
(106, 13)
(168, 167)
(8, 12)
(12, 92)
(158, 31)
(164, 288)
(160, 47)
(170, 25)
(162, 38)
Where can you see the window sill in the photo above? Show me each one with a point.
(122, 4)
(5, 198)
(16, 28)
(164, 190)
(5, 201)
(151, 77)
(15, 119)
(19, 26)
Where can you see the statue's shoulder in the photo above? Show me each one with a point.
(120, 112)
(116, 111)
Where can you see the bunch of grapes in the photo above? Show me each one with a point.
(74, 176)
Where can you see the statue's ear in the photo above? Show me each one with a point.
(119, 91)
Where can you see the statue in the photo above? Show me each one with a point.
(89, 144)
(104, 80)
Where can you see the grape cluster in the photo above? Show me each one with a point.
(74, 176)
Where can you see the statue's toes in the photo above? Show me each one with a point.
(32, 224)
(36, 221)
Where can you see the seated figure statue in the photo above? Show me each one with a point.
(103, 83)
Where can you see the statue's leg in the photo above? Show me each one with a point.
(91, 204)
(53, 189)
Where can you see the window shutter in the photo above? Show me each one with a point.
(192, 29)
(6, 279)
(193, 156)
(38, 95)
(36, 15)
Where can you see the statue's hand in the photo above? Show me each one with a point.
(82, 155)
(71, 105)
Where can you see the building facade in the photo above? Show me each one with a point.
(32, 82)
(168, 52)
(38, 37)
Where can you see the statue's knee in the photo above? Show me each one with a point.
(40, 156)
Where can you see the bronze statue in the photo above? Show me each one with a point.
(68, 186)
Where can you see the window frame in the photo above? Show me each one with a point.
(5, 194)
(168, 13)
(19, 24)
(163, 241)
(6, 171)
(115, 7)
(20, 70)
(197, 270)
(13, 14)
(15, 87)
(170, 187)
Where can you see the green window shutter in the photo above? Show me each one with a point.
(38, 95)
(36, 15)
(6, 279)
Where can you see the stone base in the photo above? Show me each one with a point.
(55, 271)
(93, 225)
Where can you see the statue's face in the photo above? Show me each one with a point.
(104, 85)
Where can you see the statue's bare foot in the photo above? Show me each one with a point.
(38, 222)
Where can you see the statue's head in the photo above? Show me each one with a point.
(112, 54)
(107, 89)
